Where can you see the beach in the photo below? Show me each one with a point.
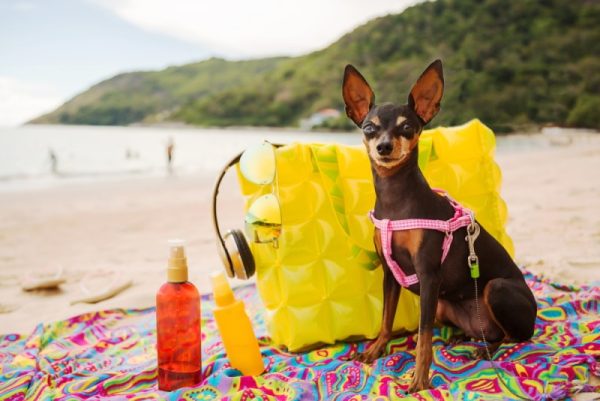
(118, 229)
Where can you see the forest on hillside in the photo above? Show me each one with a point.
(510, 63)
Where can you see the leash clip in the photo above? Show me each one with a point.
(473, 231)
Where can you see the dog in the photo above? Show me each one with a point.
(506, 308)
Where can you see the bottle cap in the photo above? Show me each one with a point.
(221, 289)
(178, 269)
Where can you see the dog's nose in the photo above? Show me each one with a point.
(384, 148)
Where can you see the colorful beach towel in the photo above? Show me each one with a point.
(111, 355)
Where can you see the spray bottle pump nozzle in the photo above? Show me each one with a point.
(178, 270)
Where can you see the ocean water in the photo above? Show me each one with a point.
(87, 153)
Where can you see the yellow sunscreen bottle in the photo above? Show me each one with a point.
(236, 331)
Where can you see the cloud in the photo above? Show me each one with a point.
(22, 101)
(24, 5)
(244, 28)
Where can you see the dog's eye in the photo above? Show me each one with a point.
(370, 130)
(406, 127)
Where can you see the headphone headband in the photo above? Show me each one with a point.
(232, 162)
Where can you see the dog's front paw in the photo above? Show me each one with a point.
(372, 353)
(419, 384)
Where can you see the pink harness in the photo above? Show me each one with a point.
(462, 218)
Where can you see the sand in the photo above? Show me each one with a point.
(96, 228)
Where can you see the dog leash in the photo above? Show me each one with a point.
(473, 231)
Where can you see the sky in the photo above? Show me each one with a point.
(50, 50)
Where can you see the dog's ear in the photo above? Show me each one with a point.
(358, 96)
(426, 93)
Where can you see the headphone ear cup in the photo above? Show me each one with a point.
(241, 256)
(245, 254)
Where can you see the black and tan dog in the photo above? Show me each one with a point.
(447, 293)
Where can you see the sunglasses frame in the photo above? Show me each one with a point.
(253, 234)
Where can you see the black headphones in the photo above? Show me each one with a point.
(234, 250)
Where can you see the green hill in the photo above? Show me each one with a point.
(510, 63)
(152, 96)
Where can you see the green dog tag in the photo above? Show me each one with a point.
(474, 270)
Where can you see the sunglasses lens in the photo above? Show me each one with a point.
(263, 219)
(257, 164)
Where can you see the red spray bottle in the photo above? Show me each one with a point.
(178, 325)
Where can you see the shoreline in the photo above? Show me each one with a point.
(71, 170)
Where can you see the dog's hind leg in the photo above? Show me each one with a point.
(458, 337)
(512, 307)
(488, 351)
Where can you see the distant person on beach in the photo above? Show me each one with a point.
(53, 161)
(170, 148)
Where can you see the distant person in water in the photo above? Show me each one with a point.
(53, 161)
(170, 148)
